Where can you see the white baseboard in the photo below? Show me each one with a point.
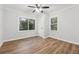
(1, 43)
(64, 40)
(18, 38)
(42, 37)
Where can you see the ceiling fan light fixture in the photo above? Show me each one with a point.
(40, 9)
(37, 10)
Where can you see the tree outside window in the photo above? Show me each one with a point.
(26, 24)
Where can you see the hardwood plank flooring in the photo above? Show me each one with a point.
(38, 45)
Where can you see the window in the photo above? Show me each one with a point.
(31, 24)
(54, 23)
(26, 24)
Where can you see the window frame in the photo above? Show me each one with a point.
(28, 19)
(55, 19)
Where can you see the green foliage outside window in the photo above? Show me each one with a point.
(26, 24)
(54, 23)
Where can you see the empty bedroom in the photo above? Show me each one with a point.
(39, 28)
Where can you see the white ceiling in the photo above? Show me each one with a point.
(24, 7)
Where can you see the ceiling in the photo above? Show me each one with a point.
(23, 7)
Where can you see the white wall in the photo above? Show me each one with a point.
(43, 24)
(46, 24)
(11, 30)
(68, 24)
(1, 19)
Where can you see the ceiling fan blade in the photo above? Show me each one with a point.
(45, 7)
(34, 11)
(32, 6)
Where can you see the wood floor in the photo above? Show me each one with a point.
(38, 45)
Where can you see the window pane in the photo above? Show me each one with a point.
(31, 24)
(23, 24)
(54, 27)
(53, 20)
(54, 23)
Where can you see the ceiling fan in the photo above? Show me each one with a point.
(39, 8)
